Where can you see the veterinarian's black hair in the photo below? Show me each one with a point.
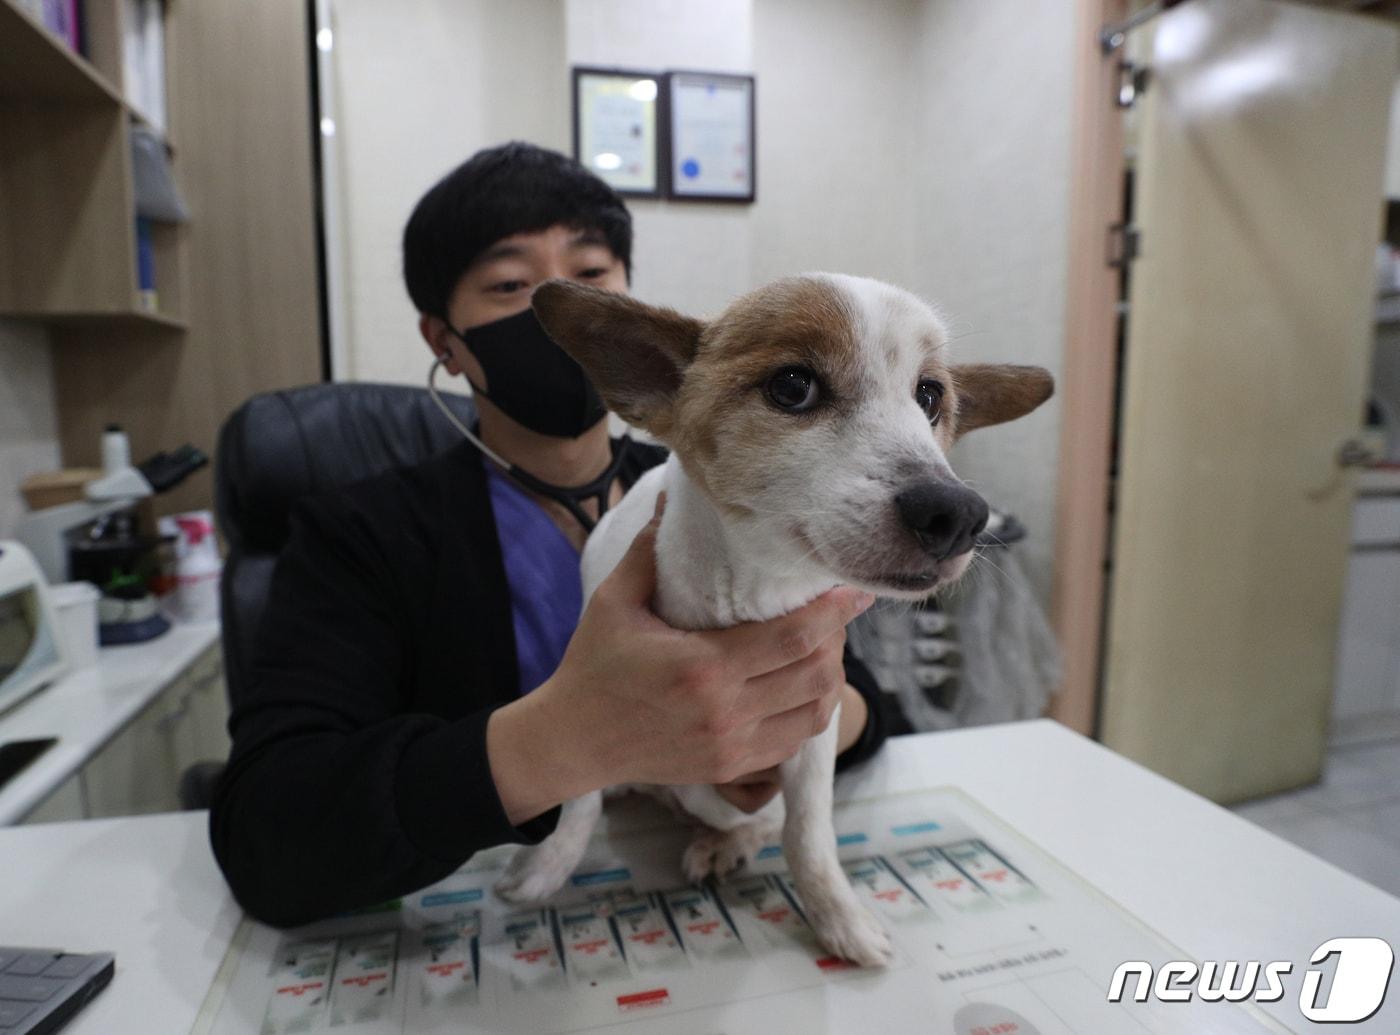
(515, 188)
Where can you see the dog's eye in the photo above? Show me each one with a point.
(793, 389)
(929, 395)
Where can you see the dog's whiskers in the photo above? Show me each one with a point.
(986, 562)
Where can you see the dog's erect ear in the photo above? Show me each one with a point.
(634, 353)
(994, 393)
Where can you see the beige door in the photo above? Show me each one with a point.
(1259, 170)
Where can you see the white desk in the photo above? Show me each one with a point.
(86, 709)
(1220, 888)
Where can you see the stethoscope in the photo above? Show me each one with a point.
(567, 497)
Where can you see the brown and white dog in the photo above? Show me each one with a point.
(809, 428)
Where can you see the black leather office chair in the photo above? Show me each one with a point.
(277, 447)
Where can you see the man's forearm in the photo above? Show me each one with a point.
(531, 759)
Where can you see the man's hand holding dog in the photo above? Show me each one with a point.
(752, 791)
(636, 701)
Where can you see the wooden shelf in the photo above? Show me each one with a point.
(133, 320)
(37, 66)
(163, 320)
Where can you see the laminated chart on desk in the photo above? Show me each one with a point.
(991, 936)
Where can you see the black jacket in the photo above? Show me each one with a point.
(359, 768)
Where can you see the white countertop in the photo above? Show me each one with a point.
(85, 709)
(1218, 887)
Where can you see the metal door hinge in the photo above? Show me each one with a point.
(1132, 83)
(1124, 244)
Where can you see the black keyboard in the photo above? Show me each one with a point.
(40, 989)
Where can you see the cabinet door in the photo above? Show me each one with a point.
(136, 773)
(1368, 669)
(139, 770)
(64, 805)
(201, 734)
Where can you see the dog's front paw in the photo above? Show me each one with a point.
(532, 875)
(851, 932)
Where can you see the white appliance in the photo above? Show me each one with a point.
(31, 649)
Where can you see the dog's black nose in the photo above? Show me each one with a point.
(947, 517)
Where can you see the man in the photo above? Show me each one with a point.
(427, 682)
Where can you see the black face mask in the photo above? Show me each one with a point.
(533, 381)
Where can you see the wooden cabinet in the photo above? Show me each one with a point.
(237, 309)
(138, 771)
(67, 209)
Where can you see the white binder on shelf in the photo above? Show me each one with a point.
(143, 59)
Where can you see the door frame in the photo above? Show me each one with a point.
(1089, 369)
(1090, 362)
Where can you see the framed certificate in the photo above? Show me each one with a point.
(616, 128)
(710, 147)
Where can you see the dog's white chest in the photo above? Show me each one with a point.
(712, 572)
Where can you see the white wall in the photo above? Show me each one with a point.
(925, 142)
(28, 426)
(820, 64)
(992, 120)
(695, 257)
(835, 138)
(420, 85)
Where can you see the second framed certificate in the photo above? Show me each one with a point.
(710, 146)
